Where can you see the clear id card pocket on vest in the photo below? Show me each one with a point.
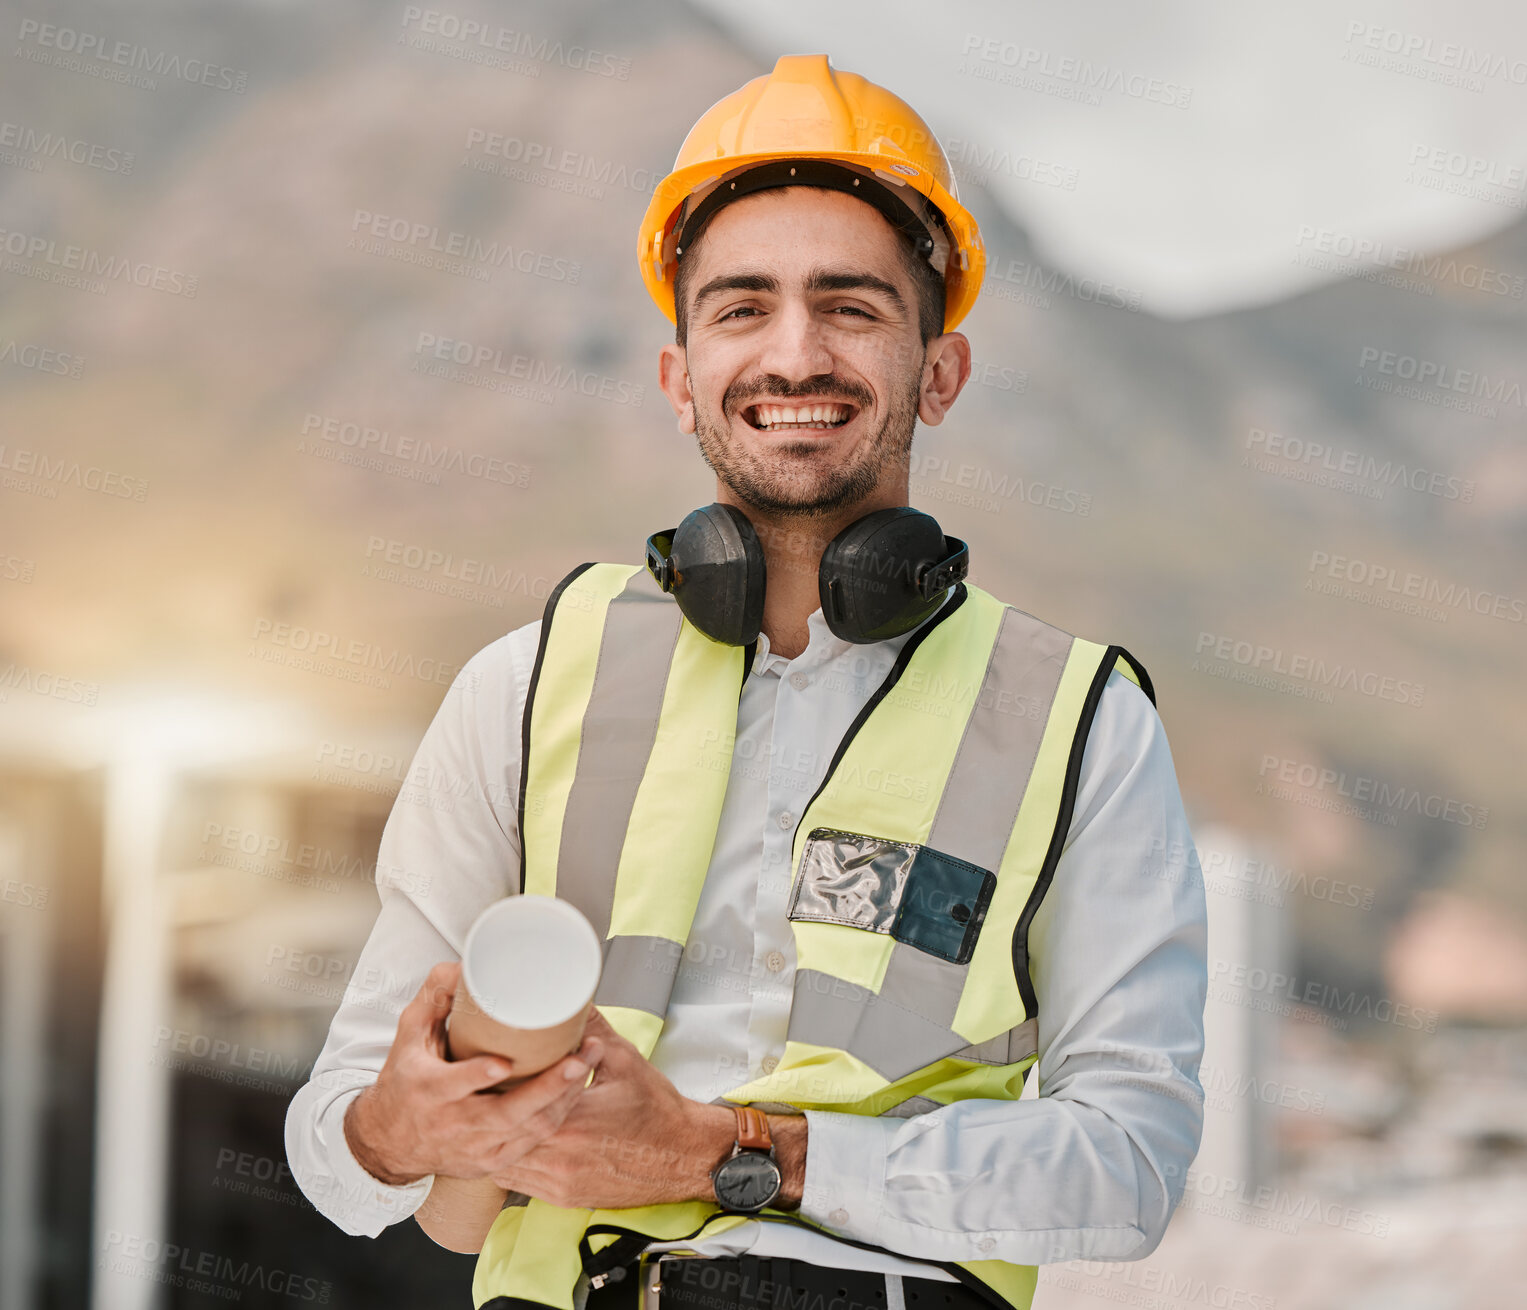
(918, 895)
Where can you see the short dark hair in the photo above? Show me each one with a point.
(927, 280)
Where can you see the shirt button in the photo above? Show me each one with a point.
(774, 961)
(799, 681)
(787, 820)
(769, 1063)
(839, 1217)
(986, 1244)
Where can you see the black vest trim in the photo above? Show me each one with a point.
(1063, 819)
(903, 658)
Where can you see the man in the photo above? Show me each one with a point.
(931, 844)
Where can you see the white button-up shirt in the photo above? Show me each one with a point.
(1091, 1168)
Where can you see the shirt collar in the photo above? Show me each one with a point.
(823, 645)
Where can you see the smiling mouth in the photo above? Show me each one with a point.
(794, 418)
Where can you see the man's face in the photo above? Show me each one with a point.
(803, 356)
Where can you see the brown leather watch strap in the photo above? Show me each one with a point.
(753, 1129)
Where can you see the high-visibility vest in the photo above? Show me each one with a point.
(918, 865)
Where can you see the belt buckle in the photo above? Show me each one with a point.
(651, 1277)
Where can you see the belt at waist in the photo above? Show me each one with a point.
(748, 1282)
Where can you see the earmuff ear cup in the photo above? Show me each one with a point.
(718, 574)
(868, 578)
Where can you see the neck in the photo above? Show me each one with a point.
(793, 546)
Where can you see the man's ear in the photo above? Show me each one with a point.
(946, 370)
(673, 378)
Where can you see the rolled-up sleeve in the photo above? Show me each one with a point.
(450, 847)
(1094, 1167)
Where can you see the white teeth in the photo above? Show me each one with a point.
(772, 416)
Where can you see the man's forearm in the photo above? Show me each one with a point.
(363, 1135)
(711, 1141)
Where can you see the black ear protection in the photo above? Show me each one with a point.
(881, 576)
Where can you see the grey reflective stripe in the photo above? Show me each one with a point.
(895, 1031)
(1005, 1048)
(638, 973)
(1023, 1041)
(911, 1106)
(992, 1051)
(996, 756)
(641, 629)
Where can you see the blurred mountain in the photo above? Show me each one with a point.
(363, 216)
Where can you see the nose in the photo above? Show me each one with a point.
(795, 345)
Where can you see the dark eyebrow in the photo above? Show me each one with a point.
(817, 281)
(735, 282)
(822, 279)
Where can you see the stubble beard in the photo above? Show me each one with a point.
(783, 487)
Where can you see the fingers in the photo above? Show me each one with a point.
(475, 1074)
(422, 1022)
(536, 1095)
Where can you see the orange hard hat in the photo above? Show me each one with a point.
(807, 110)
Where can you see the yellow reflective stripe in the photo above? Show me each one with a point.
(996, 1005)
(812, 1077)
(1128, 670)
(823, 1078)
(531, 1246)
(917, 728)
(639, 1027)
(666, 854)
(1015, 1284)
(556, 719)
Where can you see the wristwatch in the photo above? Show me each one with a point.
(749, 1178)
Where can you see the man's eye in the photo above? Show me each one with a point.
(851, 309)
(741, 309)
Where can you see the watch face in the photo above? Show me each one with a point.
(748, 1181)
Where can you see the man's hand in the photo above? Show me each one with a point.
(423, 1115)
(631, 1139)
